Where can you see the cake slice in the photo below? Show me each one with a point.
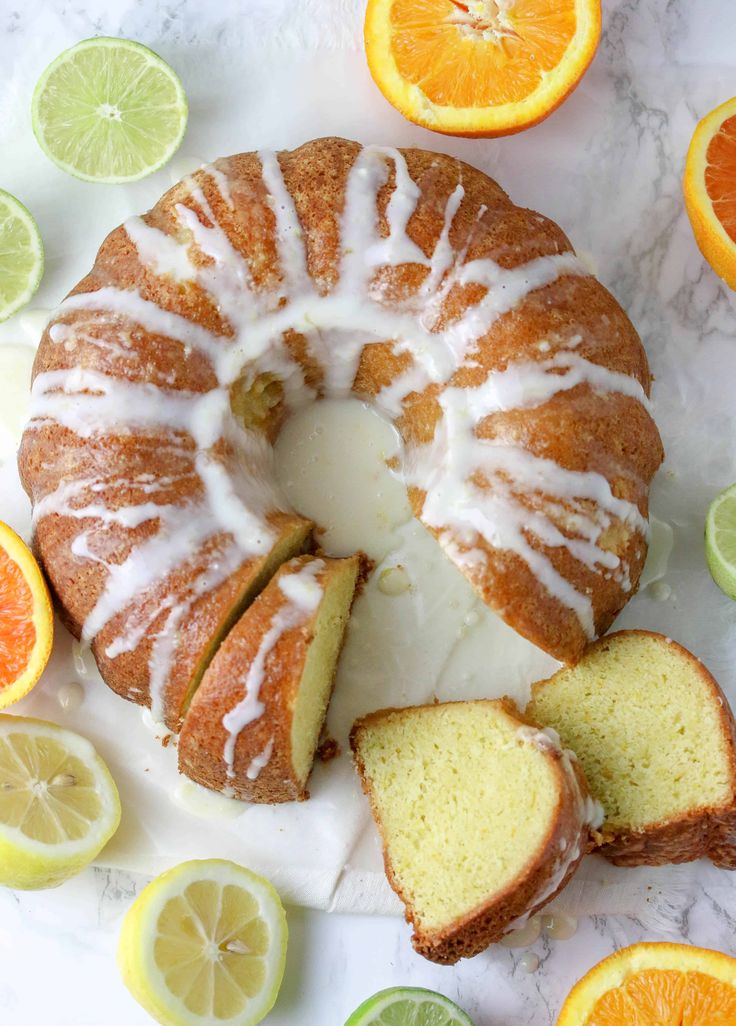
(253, 725)
(655, 736)
(483, 818)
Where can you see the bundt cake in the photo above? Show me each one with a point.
(403, 277)
(483, 818)
(253, 726)
(655, 736)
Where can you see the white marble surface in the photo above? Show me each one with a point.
(607, 166)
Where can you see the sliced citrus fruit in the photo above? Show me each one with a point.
(710, 189)
(205, 945)
(655, 985)
(109, 110)
(21, 255)
(479, 67)
(720, 540)
(26, 618)
(408, 1006)
(58, 803)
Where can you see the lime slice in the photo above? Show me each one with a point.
(109, 110)
(21, 255)
(408, 1006)
(58, 803)
(720, 541)
(205, 945)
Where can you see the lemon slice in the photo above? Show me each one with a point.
(58, 803)
(21, 255)
(408, 1006)
(720, 541)
(205, 945)
(109, 110)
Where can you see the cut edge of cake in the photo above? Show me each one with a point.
(675, 751)
(294, 538)
(261, 748)
(545, 864)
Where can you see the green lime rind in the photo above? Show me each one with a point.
(408, 1006)
(21, 255)
(109, 110)
(720, 541)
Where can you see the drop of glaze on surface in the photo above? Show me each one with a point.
(70, 696)
(529, 963)
(559, 927)
(660, 591)
(158, 729)
(525, 936)
(346, 488)
(84, 664)
(661, 543)
(206, 804)
(394, 580)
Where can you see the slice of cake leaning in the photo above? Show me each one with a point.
(655, 736)
(483, 818)
(253, 725)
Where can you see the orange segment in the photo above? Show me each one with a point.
(655, 985)
(26, 619)
(710, 189)
(479, 67)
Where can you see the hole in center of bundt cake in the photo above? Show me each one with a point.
(331, 463)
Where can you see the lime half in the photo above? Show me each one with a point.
(109, 110)
(408, 1006)
(21, 255)
(720, 541)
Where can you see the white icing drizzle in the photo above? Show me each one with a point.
(572, 510)
(260, 762)
(589, 814)
(303, 594)
(222, 182)
(289, 233)
(159, 251)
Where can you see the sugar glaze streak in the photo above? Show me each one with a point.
(336, 327)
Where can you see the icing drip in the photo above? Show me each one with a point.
(260, 762)
(303, 594)
(289, 234)
(475, 488)
(223, 185)
(588, 812)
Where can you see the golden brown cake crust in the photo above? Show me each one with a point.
(540, 882)
(702, 833)
(203, 735)
(581, 428)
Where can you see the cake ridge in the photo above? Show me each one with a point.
(421, 293)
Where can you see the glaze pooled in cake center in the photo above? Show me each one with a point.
(427, 294)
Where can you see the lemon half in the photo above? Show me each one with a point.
(58, 803)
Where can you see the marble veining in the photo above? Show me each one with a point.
(607, 166)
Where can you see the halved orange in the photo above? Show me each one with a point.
(655, 985)
(710, 189)
(479, 67)
(26, 618)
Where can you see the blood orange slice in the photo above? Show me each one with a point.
(26, 618)
(710, 189)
